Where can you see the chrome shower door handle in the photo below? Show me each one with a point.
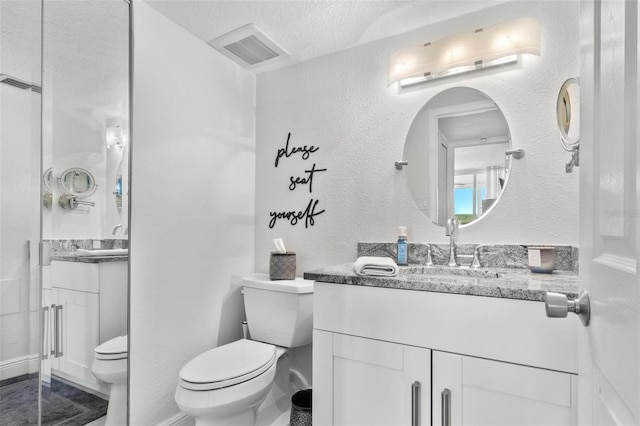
(415, 403)
(445, 404)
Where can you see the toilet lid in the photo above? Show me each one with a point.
(115, 348)
(227, 365)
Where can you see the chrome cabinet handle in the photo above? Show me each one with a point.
(53, 337)
(45, 332)
(558, 306)
(59, 352)
(415, 403)
(445, 401)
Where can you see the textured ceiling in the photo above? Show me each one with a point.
(311, 28)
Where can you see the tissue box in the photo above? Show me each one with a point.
(282, 266)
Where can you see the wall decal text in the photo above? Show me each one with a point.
(311, 211)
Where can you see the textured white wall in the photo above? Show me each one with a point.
(192, 224)
(341, 103)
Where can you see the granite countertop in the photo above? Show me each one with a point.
(72, 257)
(506, 283)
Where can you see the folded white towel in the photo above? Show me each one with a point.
(104, 252)
(376, 266)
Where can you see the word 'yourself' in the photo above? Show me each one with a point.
(294, 217)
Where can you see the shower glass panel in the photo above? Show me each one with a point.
(85, 116)
(64, 111)
(20, 180)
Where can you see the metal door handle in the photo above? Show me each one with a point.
(59, 352)
(558, 306)
(445, 401)
(45, 332)
(415, 403)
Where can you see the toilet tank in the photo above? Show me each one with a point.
(279, 312)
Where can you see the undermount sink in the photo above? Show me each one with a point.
(102, 252)
(448, 272)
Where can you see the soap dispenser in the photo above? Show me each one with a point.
(402, 246)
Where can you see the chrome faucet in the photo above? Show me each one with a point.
(452, 226)
(118, 226)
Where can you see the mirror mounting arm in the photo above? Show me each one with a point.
(515, 153)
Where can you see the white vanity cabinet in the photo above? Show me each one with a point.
(476, 391)
(85, 305)
(502, 361)
(372, 382)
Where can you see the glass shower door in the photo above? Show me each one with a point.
(20, 200)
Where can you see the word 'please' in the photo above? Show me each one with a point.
(285, 152)
(294, 217)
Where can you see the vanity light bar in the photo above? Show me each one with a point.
(484, 48)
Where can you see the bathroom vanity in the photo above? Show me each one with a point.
(85, 303)
(428, 347)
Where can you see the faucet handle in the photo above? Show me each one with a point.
(476, 257)
(429, 260)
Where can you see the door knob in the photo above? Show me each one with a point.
(558, 305)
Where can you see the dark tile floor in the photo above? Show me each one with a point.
(62, 404)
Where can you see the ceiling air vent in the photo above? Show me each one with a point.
(249, 47)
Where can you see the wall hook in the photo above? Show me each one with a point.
(515, 153)
(401, 164)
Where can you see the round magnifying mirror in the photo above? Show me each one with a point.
(77, 182)
(456, 152)
(46, 180)
(47, 195)
(568, 114)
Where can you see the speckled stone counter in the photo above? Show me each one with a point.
(507, 283)
(84, 259)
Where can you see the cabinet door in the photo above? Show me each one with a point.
(80, 332)
(485, 392)
(370, 382)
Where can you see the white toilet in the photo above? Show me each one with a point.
(110, 366)
(226, 385)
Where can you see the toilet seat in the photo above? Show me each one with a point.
(116, 348)
(228, 365)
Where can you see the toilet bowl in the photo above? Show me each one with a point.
(110, 366)
(226, 385)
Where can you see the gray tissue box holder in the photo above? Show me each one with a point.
(282, 266)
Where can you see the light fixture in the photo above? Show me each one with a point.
(485, 47)
(115, 133)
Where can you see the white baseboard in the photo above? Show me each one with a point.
(180, 419)
(18, 366)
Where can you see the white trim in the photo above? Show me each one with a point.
(18, 366)
(179, 419)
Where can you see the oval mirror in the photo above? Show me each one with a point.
(77, 182)
(456, 152)
(568, 114)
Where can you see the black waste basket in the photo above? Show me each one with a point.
(301, 408)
